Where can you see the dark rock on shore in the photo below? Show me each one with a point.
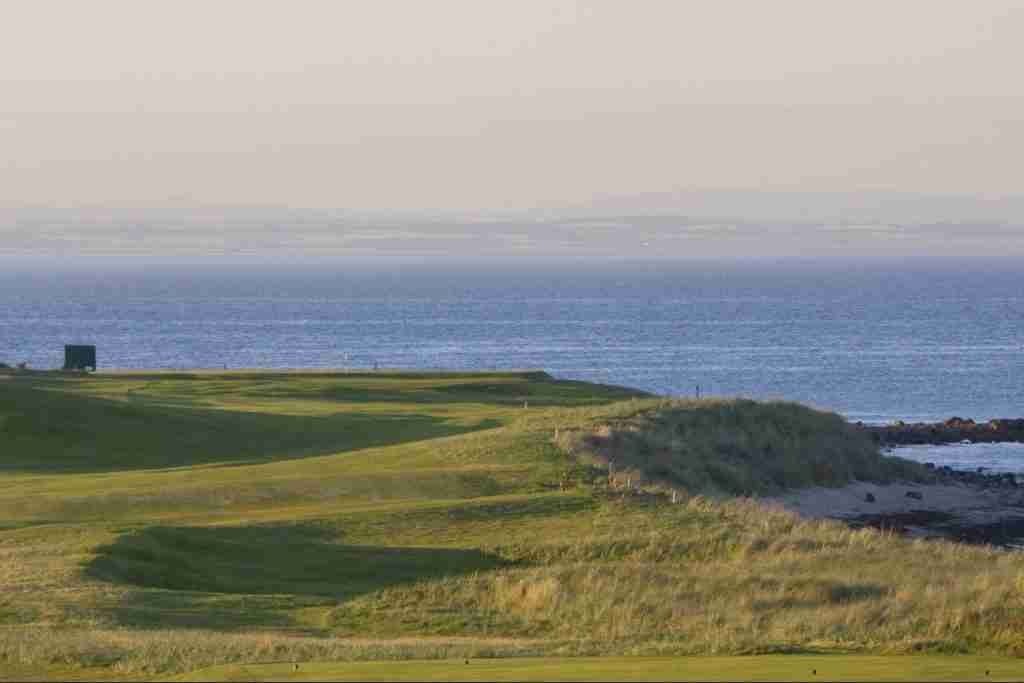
(953, 430)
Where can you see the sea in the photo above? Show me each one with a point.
(875, 342)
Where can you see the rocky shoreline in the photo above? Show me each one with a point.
(1007, 532)
(953, 430)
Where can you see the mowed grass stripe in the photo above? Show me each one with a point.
(753, 668)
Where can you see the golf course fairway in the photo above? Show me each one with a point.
(754, 668)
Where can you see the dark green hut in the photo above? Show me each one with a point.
(79, 357)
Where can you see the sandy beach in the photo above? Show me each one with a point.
(952, 510)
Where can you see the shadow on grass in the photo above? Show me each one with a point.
(294, 560)
(53, 431)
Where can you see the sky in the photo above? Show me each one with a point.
(477, 104)
(494, 106)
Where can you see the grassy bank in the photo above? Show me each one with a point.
(153, 525)
(739, 448)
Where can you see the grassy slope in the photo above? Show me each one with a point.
(740, 448)
(159, 524)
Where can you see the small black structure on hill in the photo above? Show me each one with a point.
(79, 357)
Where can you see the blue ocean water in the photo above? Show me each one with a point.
(872, 342)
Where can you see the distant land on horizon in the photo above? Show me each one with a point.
(667, 225)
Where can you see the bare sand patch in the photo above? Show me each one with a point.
(957, 505)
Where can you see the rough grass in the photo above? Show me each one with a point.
(722, 578)
(159, 524)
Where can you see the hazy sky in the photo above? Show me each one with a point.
(491, 105)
